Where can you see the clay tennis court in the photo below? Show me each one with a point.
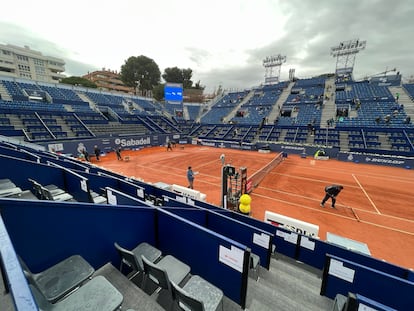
(375, 206)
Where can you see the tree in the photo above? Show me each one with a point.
(198, 86)
(176, 75)
(158, 92)
(187, 75)
(141, 72)
(78, 81)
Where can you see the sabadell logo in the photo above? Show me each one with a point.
(133, 142)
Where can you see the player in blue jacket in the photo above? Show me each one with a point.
(190, 177)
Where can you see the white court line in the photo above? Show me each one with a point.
(339, 204)
(213, 161)
(320, 210)
(327, 211)
(386, 227)
(366, 194)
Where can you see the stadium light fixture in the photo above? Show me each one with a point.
(272, 66)
(345, 53)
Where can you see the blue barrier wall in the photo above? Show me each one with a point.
(76, 185)
(201, 248)
(19, 171)
(342, 276)
(91, 230)
(54, 231)
(116, 197)
(313, 252)
(98, 183)
(244, 233)
(15, 153)
(193, 214)
(363, 303)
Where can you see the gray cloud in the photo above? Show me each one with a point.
(198, 56)
(19, 36)
(75, 68)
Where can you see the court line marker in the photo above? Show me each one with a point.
(338, 204)
(324, 211)
(366, 194)
(386, 227)
(336, 215)
(369, 174)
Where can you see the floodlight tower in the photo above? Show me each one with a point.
(272, 66)
(345, 54)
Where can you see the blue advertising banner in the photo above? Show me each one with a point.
(390, 80)
(75, 147)
(377, 159)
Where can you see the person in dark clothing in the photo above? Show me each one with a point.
(169, 146)
(118, 153)
(332, 192)
(97, 152)
(85, 154)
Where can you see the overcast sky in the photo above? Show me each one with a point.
(222, 41)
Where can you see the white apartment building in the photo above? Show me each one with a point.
(18, 62)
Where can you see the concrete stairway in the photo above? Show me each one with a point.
(329, 107)
(65, 128)
(235, 109)
(404, 100)
(279, 103)
(4, 94)
(287, 286)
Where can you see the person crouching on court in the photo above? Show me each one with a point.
(332, 192)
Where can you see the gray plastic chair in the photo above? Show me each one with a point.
(60, 279)
(37, 189)
(97, 198)
(168, 269)
(132, 258)
(9, 188)
(56, 195)
(96, 295)
(197, 295)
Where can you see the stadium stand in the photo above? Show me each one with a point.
(83, 113)
(60, 119)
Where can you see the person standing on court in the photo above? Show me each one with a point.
(97, 152)
(222, 159)
(118, 153)
(332, 192)
(85, 154)
(169, 146)
(190, 177)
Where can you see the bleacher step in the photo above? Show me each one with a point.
(288, 285)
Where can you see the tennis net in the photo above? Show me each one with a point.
(254, 180)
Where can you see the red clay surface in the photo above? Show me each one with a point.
(376, 206)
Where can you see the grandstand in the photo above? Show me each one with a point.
(287, 112)
(347, 118)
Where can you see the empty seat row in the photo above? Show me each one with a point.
(69, 285)
(9, 188)
(50, 192)
(189, 292)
